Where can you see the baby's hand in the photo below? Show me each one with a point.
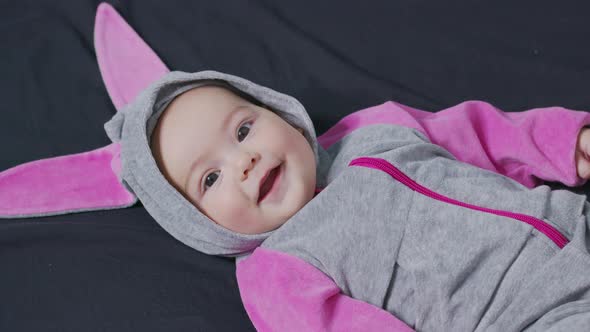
(583, 154)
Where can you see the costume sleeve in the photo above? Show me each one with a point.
(529, 146)
(284, 293)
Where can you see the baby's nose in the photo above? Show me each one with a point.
(248, 161)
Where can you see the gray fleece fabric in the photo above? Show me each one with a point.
(435, 265)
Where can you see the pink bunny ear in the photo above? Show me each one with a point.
(72, 183)
(127, 64)
(90, 180)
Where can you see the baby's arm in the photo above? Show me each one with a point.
(284, 293)
(538, 144)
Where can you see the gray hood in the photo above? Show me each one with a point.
(132, 127)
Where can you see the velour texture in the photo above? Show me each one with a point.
(530, 146)
(118, 270)
(73, 183)
(295, 296)
(87, 181)
(127, 64)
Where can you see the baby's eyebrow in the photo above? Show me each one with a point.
(224, 124)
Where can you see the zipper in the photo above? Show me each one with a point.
(559, 239)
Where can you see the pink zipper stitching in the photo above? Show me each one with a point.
(387, 167)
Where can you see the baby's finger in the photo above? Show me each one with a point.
(582, 165)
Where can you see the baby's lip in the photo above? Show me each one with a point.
(263, 179)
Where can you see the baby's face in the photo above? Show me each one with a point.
(240, 164)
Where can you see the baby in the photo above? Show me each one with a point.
(377, 227)
(239, 163)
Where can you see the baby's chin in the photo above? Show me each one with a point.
(269, 217)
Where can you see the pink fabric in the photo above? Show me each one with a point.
(87, 181)
(65, 184)
(127, 64)
(538, 144)
(284, 293)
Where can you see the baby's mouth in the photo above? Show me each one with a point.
(268, 183)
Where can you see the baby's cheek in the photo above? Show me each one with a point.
(231, 212)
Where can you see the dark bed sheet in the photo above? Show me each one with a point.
(118, 270)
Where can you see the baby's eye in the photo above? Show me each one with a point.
(210, 179)
(243, 131)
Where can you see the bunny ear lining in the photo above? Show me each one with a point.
(73, 183)
(127, 64)
(87, 181)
